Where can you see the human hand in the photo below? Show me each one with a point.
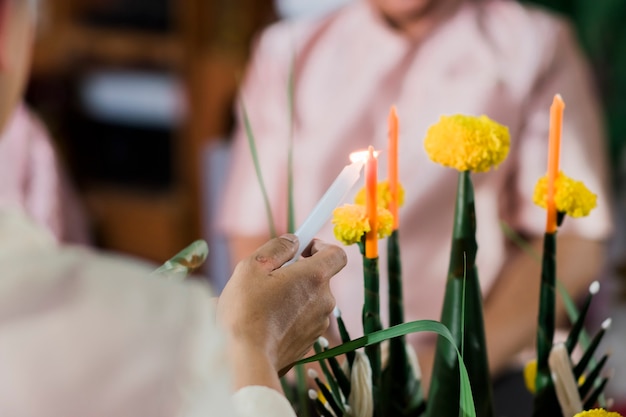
(280, 312)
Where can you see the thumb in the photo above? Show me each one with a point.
(276, 252)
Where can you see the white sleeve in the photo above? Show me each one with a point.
(260, 401)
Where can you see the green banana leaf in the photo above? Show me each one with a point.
(402, 394)
(462, 313)
(465, 406)
(185, 262)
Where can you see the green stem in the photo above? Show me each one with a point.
(371, 314)
(545, 325)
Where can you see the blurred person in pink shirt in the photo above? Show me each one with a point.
(31, 175)
(429, 58)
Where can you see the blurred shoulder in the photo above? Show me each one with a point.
(513, 22)
(295, 33)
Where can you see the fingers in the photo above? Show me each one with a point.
(275, 252)
(329, 259)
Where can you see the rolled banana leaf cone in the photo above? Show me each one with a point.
(185, 262)
(402, 394)
(545, 397)
(463, 314)
(371, 323)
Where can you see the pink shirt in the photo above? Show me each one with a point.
(495, 57)
(31, 178)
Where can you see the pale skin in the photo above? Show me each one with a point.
(510, 309)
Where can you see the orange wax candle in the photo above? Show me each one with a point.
(393, 165)
(554, 148)
(371, 204)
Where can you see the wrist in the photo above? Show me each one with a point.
(252, 366)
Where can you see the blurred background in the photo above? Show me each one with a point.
(138, 96)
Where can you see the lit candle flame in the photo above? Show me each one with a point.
(362, 156)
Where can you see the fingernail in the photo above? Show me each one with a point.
(290, 237)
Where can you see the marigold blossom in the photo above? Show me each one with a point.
(598, 412)
(467, 142)
(571, 197)
(530, 373)
(383, 194)
(351, 223)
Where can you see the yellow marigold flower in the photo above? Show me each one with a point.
(351, 223)
(467, 142)
(383, 195)
(385, 223)
(530, 374)
(598, 412)
(571, 197)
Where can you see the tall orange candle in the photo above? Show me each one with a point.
(393, 165)
(554, 149)
(371, 204)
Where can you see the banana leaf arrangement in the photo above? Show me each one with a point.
(370, 383)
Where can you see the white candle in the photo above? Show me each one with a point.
(327, 204)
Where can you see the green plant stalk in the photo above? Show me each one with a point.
(595, 395)
(570, 305)
(547, 305)
(257, 168)
(401, 391)
(588, 355)
(463, 318)
(371, 319)
(545, 400)
(345, 337)
(574, 334)
(332, 382)
(302, 391)
(590, 379)
(291, 216)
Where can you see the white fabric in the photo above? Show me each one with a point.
(91, 335)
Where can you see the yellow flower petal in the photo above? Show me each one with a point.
(383, 195)
(598, 412)
(467, 142)
(385, 222)
(530, 374)
(571, 197)
(350, 222)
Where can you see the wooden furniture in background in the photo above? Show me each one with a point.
(206, 48)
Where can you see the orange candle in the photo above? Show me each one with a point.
(393, 165)
(371, 204)
(554, 149)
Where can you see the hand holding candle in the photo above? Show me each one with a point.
(329, 201)
(554, 148)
